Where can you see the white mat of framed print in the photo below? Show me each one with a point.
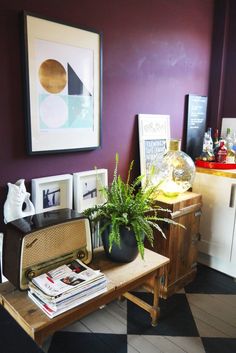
(154, 131)
(63, 76)
(52, 193)
(86, 188)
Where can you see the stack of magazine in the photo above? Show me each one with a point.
(65, 287)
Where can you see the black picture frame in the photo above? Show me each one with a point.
(195, 124)
(63, 74)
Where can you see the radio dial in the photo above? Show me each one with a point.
(30, 274)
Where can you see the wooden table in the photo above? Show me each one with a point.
(122, 278)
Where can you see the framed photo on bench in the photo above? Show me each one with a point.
(52, 193)
(87, 187)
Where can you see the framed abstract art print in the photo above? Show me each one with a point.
(63, 86)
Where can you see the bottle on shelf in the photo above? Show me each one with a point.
(207, 148)
(234, 141)
(210, 140)
(216, 142)
(228, 138)
(230, 158)
(221, 153)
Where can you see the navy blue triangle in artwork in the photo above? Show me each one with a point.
(75, 85)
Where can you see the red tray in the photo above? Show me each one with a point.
(215, 165)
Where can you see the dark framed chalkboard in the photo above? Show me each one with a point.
(195, 124)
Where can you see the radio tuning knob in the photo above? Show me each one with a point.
(30, 274)
(81, 255)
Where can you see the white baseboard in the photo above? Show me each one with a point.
(213, 262)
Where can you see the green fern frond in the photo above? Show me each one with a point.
(132, 206)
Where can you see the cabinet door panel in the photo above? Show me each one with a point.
(217, 220)
(186, 244)
(233, 253)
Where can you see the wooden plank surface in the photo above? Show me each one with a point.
(120, 274)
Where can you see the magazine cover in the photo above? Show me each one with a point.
(52, 311)
(66, 287)
(65, 278)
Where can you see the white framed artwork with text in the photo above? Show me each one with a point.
(154, 131)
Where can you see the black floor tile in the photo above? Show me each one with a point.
(13, 338)
(209, 281)
(75, 342)
(175, 317)
(219, 345)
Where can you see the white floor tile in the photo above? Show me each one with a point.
(207, 330)
(139, 344)
(77, 326)
(215, 305)
(110, 319)
(214, 315)
(226, 300)
(164, 344)
(188, 344)
(131, 349)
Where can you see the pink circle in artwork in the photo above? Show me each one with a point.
(53, 112)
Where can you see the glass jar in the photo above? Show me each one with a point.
(176, 171)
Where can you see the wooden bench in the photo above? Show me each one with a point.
(122, 278)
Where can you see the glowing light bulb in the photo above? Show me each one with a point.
(176, 171)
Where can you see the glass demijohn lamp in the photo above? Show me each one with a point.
(176, 171)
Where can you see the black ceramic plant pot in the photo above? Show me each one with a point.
(128, 249)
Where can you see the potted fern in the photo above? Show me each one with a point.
(128, 216)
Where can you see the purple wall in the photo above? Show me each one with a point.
(154, 53)
(229, 101)
(222, 85)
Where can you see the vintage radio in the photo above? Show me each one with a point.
(36, 244)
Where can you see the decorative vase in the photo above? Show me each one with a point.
(17, 204)
(176, 171)
(128, 249)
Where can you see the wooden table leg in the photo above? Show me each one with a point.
(39, 339)
(155, 311)
(152, 309)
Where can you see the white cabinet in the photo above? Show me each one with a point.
(217, 244)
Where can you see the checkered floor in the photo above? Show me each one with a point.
(201, 318)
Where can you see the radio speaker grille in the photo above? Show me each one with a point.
(45, 245)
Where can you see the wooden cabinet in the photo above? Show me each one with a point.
(180, 245)
(217, 245)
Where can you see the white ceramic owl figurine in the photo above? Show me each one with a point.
(17, 204)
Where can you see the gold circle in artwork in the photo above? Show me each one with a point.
(52, 76)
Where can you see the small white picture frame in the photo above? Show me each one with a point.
(52, 193)
(154, 131)
(86, 188)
